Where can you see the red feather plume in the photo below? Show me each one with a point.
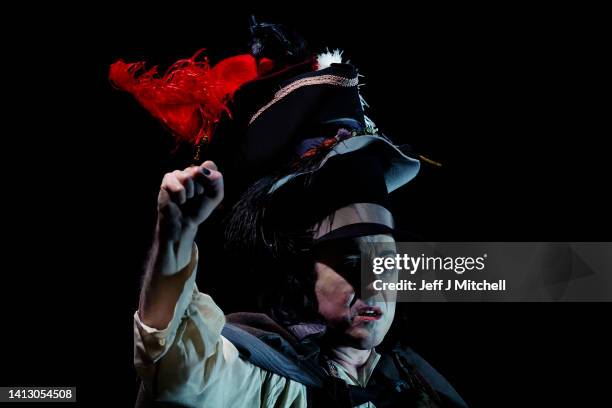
(190, 97)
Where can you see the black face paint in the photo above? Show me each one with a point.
(343, 256)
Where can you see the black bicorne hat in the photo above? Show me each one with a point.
(297, 144)
(282, 118)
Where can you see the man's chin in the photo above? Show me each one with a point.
(362, 338)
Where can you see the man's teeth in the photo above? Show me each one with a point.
(368, 313)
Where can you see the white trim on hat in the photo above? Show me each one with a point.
(309, 81)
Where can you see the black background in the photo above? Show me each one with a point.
(509, 100)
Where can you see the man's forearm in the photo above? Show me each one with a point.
(165, 277)
(186, 198)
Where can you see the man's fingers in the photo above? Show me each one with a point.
(175, 188)
(206, 176)
(210, 165)
(202, 180)
(212, 175)
(186, 179)
(211, 181)
(198, 189)
(198, 181)
(194, 181)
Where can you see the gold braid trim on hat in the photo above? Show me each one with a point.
(320, 80)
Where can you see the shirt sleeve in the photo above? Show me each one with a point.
(190, 363)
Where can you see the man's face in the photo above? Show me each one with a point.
(359, 320)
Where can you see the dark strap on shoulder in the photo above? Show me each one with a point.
(263, 356)
(323, 388)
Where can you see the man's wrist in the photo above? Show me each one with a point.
(190, 229)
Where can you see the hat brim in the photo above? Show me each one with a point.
(399, 168)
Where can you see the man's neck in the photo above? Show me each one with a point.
(350, 358)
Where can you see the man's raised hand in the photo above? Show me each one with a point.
(186, 198)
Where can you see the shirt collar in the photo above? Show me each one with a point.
(363, 373)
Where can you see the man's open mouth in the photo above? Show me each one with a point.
(368, 314)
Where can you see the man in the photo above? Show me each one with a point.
(308, 179)
(179, 347)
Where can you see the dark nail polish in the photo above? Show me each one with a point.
(205, 171)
